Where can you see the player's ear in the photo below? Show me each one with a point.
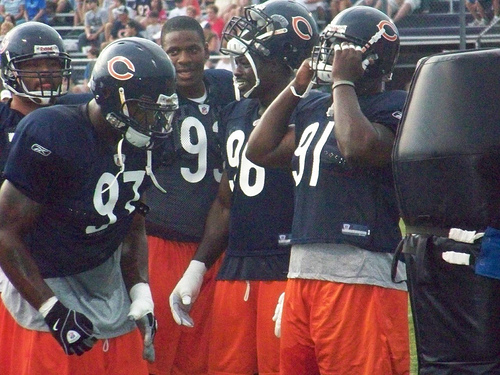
(207, 52)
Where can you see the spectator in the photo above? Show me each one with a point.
(234, 10)
(317, 8)
(141, 8)
(92, 55)
(213, 43)
(5, 28)
(216, 23)
(113, 6)
(477, 11)
(133, 28)
(196, 5)
(337, 6)
(157, 6)
(179, 10)
(13, 7)
(152, 25)
(35, 10)
(398, 9)
(65, 6)
(95, 21)
(191, 12)
(117, 27)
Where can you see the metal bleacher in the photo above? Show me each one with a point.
(442, 27)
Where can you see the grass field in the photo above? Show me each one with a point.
(413, 350)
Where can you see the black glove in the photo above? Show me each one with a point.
(73, 330)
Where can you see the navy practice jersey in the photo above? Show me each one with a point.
(261, 204)
(9, 118)
(337, 203)
(72, 98)
(58, 161)
(191, 165)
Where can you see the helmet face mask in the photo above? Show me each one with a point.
(142, 121)
(133, 81)
(279, 30)
(366, 27)
(34, 64)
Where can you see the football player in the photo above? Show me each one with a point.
(36, 69)
(342, 314)
(190, 173)
(251, 216)
(73, 244)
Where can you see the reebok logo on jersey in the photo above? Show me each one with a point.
(72, 336)
(55, 327)
(40, 149)
(397, 115)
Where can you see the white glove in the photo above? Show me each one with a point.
(185, 293)
(141, 310)
(277, 315)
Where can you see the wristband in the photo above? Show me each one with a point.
(343, 83)
(295, 93)
(305, 94)
(47, 306)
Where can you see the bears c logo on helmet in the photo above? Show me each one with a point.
(303, 34)
(381, 26)
(116, 69)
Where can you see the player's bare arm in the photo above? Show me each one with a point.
(272, 142)
(17, 215)
(134, 261)
(359, 140)
(214, 240)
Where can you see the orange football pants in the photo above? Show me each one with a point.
(28, 352)
(180, 350)
(243, 339)
(332, 328)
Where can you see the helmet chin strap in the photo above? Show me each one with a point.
(238, 47)
(136, 139)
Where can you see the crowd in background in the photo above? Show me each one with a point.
(106, 20)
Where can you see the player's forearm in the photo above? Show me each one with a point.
(134, 259)
(267, 145)
(215, 237)
(22, 271)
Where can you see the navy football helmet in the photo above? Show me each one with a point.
(133, 81)
(280, 30)
(33, 41)
(365, 27)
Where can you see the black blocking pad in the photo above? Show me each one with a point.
(446, 159)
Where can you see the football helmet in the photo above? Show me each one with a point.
(133, 81)
(281, 30)
(366, 27)
(34, 41)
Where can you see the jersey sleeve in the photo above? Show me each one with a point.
(34, 165)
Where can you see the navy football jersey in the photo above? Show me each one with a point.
(261, 204)
(335, 202)
(9, 118)
(191, 165)
(58, 161)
